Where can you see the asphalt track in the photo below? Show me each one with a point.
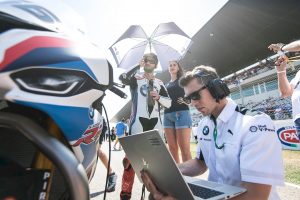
(289, 192)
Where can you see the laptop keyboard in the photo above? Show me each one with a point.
(203, 192)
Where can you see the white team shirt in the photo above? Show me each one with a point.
(251, 153)
(296, 96)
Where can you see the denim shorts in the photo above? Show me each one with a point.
(178, 119)
(297, 126)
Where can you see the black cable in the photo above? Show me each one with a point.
(143, 192)
(109, 151)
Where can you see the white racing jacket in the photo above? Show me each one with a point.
(144, 117)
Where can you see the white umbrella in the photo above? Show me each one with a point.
(167, 41)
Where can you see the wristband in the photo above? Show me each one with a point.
(279, 72)
(282, 47)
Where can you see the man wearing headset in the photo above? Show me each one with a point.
(238, 146)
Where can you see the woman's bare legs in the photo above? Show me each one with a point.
(104, 159)
(183, 139)
(116, 142)
(172, 143)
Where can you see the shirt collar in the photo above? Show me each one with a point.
(227, 111)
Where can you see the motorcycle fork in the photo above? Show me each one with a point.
(41, 161)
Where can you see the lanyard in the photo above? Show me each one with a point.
(215, 133)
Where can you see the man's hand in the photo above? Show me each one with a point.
(281, 63)
(254, 191)
(142, 63)
(154, 95)
(193, 167)
(276, 47)
(152, 188)
(180, 100)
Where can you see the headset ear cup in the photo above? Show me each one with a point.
(211, 89)
(218, 89)
(225, 89)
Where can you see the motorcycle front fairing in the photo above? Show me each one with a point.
(50, 76)
(65, 88)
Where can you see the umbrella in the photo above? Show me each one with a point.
(167, 41)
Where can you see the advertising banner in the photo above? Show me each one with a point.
(287, 134)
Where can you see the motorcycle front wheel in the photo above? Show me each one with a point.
(35, 164)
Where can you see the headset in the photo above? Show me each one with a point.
(216, 87)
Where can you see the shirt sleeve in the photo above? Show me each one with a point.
(296, 79)
(164, 99)
(261, 154)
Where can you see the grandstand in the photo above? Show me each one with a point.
(261, 92)
(236, 36)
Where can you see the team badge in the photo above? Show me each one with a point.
(205, 130)
(144, 90)
(253, 129)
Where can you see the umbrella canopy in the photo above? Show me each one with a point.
(167, 41)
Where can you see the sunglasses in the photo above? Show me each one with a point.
(194, 96)
(149, 61)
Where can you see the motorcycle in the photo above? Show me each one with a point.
(51, 89)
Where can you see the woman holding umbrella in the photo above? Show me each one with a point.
(177, 119)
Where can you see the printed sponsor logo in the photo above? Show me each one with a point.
(288, 136)
(261, 128)
(205, 130)
(205, 139)
(144, 89)
(253, 128)
(145, 164)
(46, 178)
(91, 134)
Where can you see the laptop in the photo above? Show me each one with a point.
(148, 151)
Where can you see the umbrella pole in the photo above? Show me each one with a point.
(149, 41)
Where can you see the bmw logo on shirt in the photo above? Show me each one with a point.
(205, 130)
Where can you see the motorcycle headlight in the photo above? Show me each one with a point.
(57, 82)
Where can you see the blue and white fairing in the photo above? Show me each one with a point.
(58, 75)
